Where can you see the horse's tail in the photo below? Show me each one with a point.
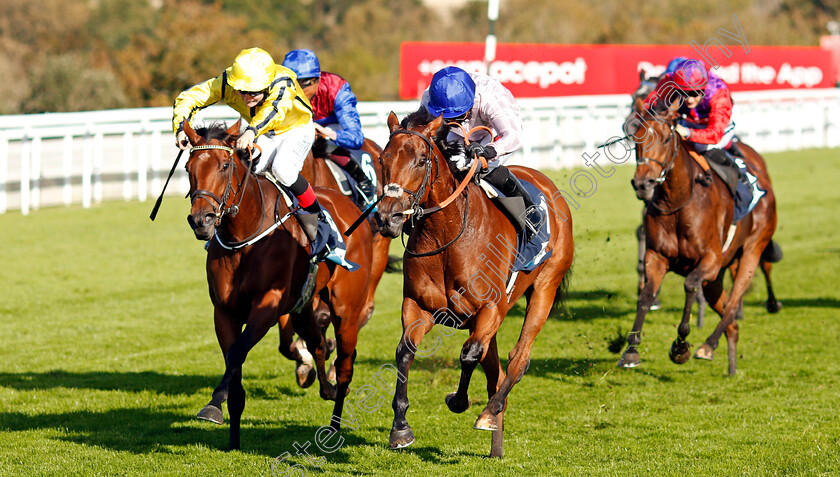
(772, 253)
(563, 290)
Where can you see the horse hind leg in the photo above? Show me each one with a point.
(773, 305)
(347, 333)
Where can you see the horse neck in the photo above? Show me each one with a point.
(249, 221)
(676, 189)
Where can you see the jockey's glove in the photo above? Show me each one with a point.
(476, 149)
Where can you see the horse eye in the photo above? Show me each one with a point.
(225, 166)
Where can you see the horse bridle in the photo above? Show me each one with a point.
(666, 166)
(395, 190)
(220, 208)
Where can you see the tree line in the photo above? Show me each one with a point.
(77, 55)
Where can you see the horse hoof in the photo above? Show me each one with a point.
(305, 374)
(680, 352)
(774, 306)
(455, 405)
(211, 413)
(328, 392)
(401, 438)
(705, 352)
(630, 359)
(486, 422)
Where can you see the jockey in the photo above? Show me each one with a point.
(475, 99)
(706, 108)
(278, 118)
(334, 111)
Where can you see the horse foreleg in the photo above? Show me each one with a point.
(347, 335)
(230, 388)
(492, 367)
(705, 270)
(486, 323)
(416, 323)
(655, 268)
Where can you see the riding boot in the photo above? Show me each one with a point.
(509, 185)
(310, 212)
(365, 185)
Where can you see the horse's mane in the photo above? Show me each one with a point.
(218, 130)
(422, 117)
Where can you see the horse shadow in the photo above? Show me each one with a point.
(571, 308)
(147, 430)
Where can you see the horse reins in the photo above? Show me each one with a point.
(417, 212)
(666, 166)
(222, 209)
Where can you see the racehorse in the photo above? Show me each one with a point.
(316, 171)
(257, 269)
(448, 252)
(686, 226)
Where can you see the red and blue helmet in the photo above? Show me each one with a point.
(303, 62)
(672, 65)
(691, 75)
(452, 92)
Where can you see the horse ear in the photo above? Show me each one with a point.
(393, 122)
(639, 105)
(432, 127)
(234, 130)
(191, 134)
(642, 74)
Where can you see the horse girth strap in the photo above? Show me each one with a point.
(698, 158)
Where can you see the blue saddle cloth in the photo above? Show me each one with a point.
(530, 254)
(746, 196)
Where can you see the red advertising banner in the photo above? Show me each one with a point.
(535, 70)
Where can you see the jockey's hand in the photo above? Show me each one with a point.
(182, 141)
(682, 131)
(476, 149)
(246, 139)
(325, 132)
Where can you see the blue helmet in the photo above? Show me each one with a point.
(303, 62)
(672, 66)
(452, 92)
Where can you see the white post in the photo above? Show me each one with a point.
(156, 181)
(25, 168)
(98, 143)
(67, 170)
(142, 165)
(127, 150)
(87, 168)
(490, 41)
(4, 174)
(35, 175)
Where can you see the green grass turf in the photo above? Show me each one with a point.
(109, 353)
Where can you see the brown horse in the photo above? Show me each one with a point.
(257, 265)
(317, 173)
(455, 268)
(686, 226)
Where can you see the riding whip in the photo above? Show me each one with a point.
(160, 198)
(363, 217)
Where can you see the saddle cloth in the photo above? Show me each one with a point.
(530, 254)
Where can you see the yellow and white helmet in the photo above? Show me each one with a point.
(252, 70)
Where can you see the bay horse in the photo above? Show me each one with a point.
(451, 250)
(257, 265)
(316, 171)
(686, 226)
